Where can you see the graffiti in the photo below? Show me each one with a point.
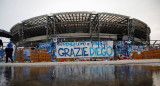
(48, 46)
(72, 44)
(45, 46)
(101, 51)
(84, 49)
(73, 52)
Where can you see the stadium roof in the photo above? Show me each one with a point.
(4, 33)
(80, 22)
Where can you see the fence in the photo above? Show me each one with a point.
(19, 55)
(37, 55)
(150, 54)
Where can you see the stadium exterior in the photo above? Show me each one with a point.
(79, 26)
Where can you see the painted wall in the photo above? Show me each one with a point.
(84, 49)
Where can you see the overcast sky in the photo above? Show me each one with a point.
(15, 11)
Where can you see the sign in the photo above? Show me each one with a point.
(26, 52)
(84, 49)
(137, 48)
(48, 46)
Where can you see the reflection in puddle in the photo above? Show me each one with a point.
(81, 75)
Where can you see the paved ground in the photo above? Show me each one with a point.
(145, 62)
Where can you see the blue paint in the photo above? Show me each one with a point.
(100, 51)
(111, 50)
(103, 53)
(65, 44)
(97, 49)
(95, 43)
(60, 49)
(82, 43)
(76, 52)
(92, 49)
(85, 52)
(88, 44)
(72, 52)
(72, 44)
(66, 51)
(100, 43)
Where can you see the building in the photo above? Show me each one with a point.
(79, 26)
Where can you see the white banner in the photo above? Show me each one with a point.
(84, 49)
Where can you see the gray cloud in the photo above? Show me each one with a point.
(14, 11)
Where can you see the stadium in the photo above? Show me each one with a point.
(79, 26)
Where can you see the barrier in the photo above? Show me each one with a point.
(39, 55)
(19, 55)
(151, 54)
(34, 56)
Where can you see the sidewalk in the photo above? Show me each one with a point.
(117, 62)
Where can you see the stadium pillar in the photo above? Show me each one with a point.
(132, 31)
(128, 29)
(147, 36)
(149, 39)
(93, 24)
(90, 26)
(47, 34)
(98, 33)
(20, 34)
(98, 28)
(54, 26)
(47, 30)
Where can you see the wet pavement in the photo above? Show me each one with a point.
(81, 75)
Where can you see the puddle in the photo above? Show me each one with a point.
(81, 75)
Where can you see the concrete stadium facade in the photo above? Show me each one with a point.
(79, 26)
